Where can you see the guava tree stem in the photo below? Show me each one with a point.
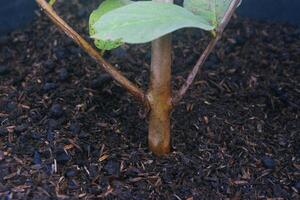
(160, 94)
(181, 92)
(116, 74)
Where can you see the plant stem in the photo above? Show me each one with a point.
(160, 94)
(181, 92)
(116, 74)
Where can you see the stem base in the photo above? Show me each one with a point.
(160, 96)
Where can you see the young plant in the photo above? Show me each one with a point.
(116, 22)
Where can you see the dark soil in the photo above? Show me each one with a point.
(69, 132)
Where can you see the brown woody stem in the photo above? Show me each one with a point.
(191, 77)
(117, 75)
(159, 96)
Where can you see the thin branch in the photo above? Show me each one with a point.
(117, 75)
(181, 92)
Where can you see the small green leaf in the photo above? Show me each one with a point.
(105, 7)
(212, 10)
(142, 22)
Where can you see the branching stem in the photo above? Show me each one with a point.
(158, 100)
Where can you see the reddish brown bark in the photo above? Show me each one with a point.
(159, 96)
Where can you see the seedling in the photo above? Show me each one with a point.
(116, 22)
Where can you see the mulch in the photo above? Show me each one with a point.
(68, 131)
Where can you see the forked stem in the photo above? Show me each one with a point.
(159, 99)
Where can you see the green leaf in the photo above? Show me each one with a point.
(212, 10)
(142, 22)
(105, 7)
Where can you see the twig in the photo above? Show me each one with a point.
(117, 75)
(181, 92)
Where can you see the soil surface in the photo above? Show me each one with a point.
(69, 132)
